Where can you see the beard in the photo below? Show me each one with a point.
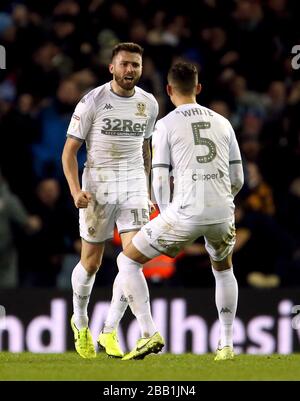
(124, 84)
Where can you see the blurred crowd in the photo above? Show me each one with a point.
(57, 50)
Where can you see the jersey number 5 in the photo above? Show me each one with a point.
(212, 151)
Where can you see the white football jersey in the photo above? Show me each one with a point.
(114, 128)
(199, 145)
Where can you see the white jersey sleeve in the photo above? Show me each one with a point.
(82, 118)
(152, 119)
(160, 146)
(234, 150)
(236, 174)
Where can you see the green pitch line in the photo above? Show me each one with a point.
(69, 366)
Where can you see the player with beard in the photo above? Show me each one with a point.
(116, 121)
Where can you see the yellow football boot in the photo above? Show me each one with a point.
(84, 344)
(225, 353)
(109, 343)
(146, 346)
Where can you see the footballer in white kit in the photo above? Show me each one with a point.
(113, 128)
(199, 145)
(115, 121)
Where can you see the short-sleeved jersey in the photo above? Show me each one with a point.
(114, 128)
(199, 144)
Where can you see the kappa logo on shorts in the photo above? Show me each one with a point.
(149, 232)
(225, 310)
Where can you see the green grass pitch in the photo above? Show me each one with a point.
(69, 366)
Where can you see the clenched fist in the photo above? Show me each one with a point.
(151, 206)
(82, 199)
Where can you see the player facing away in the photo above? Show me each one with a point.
(116, 121)
(201, 148)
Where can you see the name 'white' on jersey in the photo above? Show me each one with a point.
(199, 145)
(114, 128)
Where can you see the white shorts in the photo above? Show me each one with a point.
(127, 209)
(159, 236)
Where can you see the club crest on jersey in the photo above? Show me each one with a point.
(91, 231)
(141, 107)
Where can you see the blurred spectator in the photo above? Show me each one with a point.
(292, 210)
(19, 128)
(12, 212)
(193, 267)
(176, 30)
(40, 76)
(244, 101)
(85, 80)
(118, 19)
(221, 107)
(55, 119)
(152, 82)
(263, 249)
(291, 221)
(154, 35)
(259, 197)
(41, 254)
(249, 27)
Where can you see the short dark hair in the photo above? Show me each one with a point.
(127, 47)
(184, 77)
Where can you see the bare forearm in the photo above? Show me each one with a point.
(147, 157)
(236, 176)
(147, 163)
(70, 167)
(161, 187)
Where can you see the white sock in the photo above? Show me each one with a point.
(226, 301)
(117, 307)
(135, 289)
(82, 284)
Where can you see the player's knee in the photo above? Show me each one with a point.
(221, 268)
(91, 265)
(223, 264)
